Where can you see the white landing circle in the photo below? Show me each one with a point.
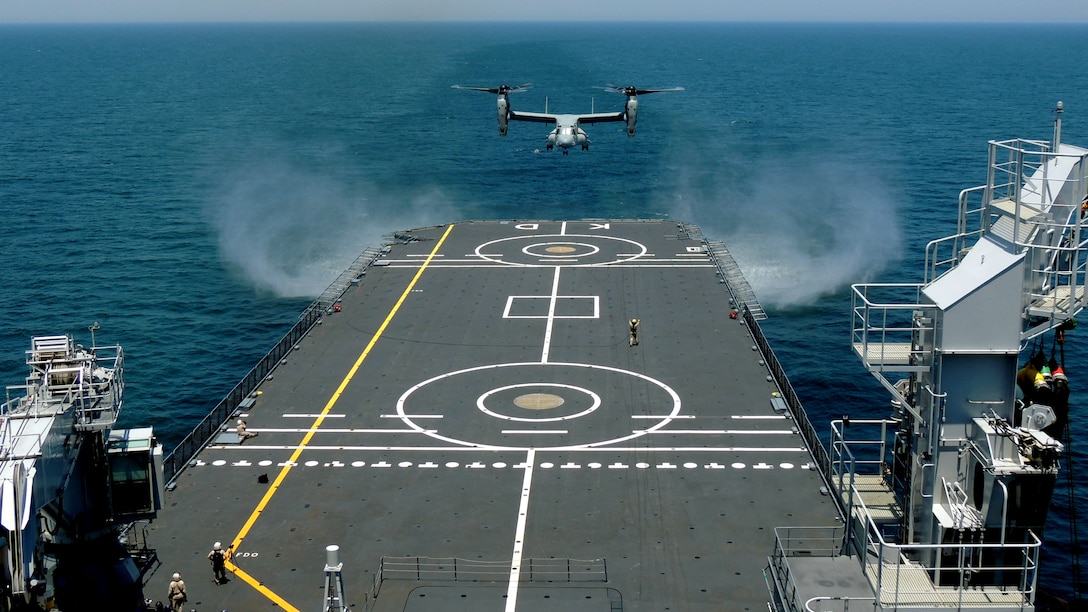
(535, 250)
(481, 403)
(530, 405)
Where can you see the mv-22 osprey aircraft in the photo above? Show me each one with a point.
(567, 132)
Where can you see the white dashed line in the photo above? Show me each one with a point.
(500, 465)
(586, 449)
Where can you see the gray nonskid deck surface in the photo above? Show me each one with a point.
(504, 382)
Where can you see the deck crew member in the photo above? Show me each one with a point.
(176, 593)
(1025, 377)
(242, 433)
(218, 559)
(634, 333)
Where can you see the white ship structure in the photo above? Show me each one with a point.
(74, 490)
(945, 500)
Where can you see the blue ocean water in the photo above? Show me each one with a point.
(193, 187)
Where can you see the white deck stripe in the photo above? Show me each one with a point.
(369, 430)
(519, 535)
(490, 448)
(490, 260)
(660, 263)
(330, 430)
(551, 316)
(718, 431)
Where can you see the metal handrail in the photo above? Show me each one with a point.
(202, 434)
(793, 402)
(889, 572)
(210, 426)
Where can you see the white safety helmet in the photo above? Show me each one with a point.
(218, 546)
(177, 576)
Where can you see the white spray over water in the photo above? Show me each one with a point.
(291, 231)
(800, 230)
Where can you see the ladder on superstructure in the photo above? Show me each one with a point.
(731, 274)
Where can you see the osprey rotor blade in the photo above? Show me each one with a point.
(501, 89)
(634, 91)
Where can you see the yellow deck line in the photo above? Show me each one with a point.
(236, 544)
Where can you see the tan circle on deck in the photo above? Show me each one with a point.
(560, 249)
(538, 401)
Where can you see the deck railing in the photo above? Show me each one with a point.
(202, 434)
(966, 574)
(798, 542)
(454, 569)
(797, 411)
(895, 575)
(213, 422)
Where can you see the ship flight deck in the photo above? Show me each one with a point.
(473, 429)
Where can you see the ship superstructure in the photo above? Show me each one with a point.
(72, 487)
(946, 499)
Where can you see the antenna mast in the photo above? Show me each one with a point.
(1057, 127)
(334, 580)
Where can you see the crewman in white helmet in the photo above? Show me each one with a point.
(218, 559)
(176, 593)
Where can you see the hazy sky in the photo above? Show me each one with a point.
(982, 11)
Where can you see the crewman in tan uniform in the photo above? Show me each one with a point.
(176, 593)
